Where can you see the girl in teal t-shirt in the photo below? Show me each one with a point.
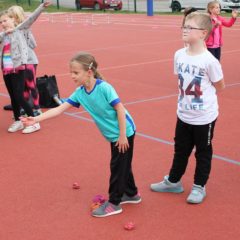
(114, 122)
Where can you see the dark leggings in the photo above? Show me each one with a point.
(15, 83)
(216, 52)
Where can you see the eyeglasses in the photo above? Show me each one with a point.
(189, 28)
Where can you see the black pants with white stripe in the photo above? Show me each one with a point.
(121, 179)
(186, 138)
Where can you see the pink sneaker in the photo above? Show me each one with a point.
(107, 209)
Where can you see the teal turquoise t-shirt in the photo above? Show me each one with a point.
(99, 103)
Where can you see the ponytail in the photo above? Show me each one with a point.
(97, 74)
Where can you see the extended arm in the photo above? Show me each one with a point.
(33, 17)
(48, 114)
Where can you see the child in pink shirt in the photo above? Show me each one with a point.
(215, 41)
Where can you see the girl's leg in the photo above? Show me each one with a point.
(203, 136)
(183, 147)
(31, 85)
(9, 80)
(19, 86)
(26, 91)
(121, 179)
(212, 51)
(216, 52)
(130, 187)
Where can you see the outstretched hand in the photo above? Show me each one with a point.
(46, 4)
(234, 13)
(28, 121)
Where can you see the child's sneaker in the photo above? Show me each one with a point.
(166, 186)
(106, 209)
(134, 200)
(197, 194)
(16, 126)
(33, 128)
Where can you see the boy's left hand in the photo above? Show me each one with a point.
(234, 13)
(122, 144)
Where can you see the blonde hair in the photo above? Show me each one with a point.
(203, 21)
(211, 5)
(6, 13)
(17, 13)
(88, 62)
(3, 13)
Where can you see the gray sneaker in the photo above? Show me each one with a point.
(197, 194)
(166, 186)
(134, 200)
(107, 209)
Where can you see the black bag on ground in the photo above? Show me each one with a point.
(48, 92)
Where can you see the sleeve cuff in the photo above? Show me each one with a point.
(115, 102)
(74, 104)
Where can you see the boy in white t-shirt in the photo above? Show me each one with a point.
(200, 77)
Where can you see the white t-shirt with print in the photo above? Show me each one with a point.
(197, 101)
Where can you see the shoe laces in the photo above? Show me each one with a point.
(197, 189)
(32, 126)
